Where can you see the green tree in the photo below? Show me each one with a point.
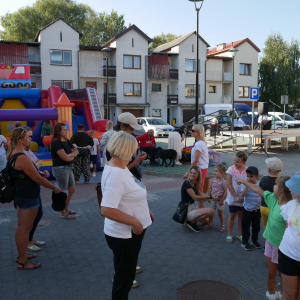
(279, 71)
(162, 39)
(97, 28)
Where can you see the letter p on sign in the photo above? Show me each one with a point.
(254, 93)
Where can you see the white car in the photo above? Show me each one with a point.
(291, 122)
(160, 127)
(278, 123)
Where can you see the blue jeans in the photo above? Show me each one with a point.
(36, 221)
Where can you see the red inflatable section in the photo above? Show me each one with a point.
(100, 125)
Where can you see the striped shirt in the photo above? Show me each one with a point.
(252, 200)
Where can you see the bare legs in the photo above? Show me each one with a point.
(272, 274)
(203, 213)
(291, 287)
(25, 222)
(231, 220)
(71, 191)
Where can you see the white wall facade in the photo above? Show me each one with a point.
(50, 40)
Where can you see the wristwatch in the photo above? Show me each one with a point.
(210, 197)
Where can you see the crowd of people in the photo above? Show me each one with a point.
(275, 198)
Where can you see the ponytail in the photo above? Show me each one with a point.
(10, 148)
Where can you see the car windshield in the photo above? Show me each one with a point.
(224, 119)
(287, 117)
(272, 118)
(244, 114)
(156, 122)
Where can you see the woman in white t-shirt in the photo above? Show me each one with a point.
(199, 154)
(289, 248)
(125, 208)
(3, 161)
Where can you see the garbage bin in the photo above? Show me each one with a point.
(173, 122)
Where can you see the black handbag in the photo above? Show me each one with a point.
(181, 212)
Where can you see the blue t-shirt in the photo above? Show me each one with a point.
(185, 197)
(252, 200)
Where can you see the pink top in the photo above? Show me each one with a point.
(31, 155)
(217, 187)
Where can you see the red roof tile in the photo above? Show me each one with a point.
(214, 51)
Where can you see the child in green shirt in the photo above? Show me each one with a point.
(46, 131)
(275, 229)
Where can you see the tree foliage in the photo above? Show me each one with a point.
(97, 28)
(162, 39)
(279, 70)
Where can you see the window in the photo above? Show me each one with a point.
(66, 84)
(156, 112)
(192, 47)
(190, 90)
(244, 92)
(245, 69)
(132, 42)
(31, 57)
(141, 121)
(132, 89)
(61, 57)
(212, 89)
(132, 62)
(190, 65)
(61, 36)
(156, 87)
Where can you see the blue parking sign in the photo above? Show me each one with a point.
(254, 93)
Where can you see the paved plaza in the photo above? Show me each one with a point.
(77, 263)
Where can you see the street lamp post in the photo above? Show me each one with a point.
(197, 59)
(233, 52)
(107, 50)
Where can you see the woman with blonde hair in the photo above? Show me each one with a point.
(125, 208)
(105, 137)
(199, 155)
(27, 194)
(189, 194)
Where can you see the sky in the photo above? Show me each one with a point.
(220, 21)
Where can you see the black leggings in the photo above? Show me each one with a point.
(126, 253)
(36, 221)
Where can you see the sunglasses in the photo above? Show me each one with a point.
(31, 136)
(193, 130)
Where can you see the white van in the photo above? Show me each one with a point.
(290, 121)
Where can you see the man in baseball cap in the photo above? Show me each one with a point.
(274, 167)
(126, 119)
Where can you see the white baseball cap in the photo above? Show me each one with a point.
(274, 163)
(130, 119)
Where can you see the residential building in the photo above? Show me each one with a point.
(223, 72)
(127, 78)
(172, 78)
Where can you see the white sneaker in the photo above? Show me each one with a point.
(135, 284)
(94, 175)
(138, 270)
(33, 248)
(178, 163)
(278, 295)
(271, 297)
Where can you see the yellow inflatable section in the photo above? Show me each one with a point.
(7, 126)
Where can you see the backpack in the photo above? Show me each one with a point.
(7, 188)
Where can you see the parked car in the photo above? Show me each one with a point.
(212, 124)
(160, 127)
(278, 124)
(291, 122)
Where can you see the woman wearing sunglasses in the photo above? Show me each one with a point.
(27, 194)
(199, 155)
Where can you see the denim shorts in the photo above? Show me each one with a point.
(64, 176)
(234, 209)
(26, 204)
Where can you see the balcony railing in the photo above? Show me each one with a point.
(112, 98)
(219, 76)
(35, 68)
(172, 99)
(173, 74)
(111, 71)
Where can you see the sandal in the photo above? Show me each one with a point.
(67, 217)
(35, 266)
(29, 256)
(240, 238)
(207, 226)
(70, 212)
(222, 228)
(229, 239)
